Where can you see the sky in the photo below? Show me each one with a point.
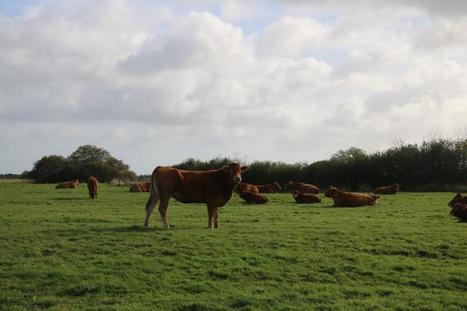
(155, 83)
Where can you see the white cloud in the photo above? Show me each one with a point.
(291, 36)
(156, 84)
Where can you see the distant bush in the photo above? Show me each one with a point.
(87, 160)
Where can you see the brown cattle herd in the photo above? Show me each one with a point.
(216, 187)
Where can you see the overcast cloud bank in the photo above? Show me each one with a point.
(289, 81)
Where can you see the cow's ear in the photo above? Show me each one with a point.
(226, 169)
(244, 168)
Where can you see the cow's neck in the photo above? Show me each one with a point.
(227, 184)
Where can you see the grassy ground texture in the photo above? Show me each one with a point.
(60, 250)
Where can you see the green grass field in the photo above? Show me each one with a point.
(62, 251)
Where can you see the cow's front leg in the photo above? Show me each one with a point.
(210, 215)
(216, 216)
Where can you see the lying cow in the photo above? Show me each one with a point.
(301, 197)
(140, 187)
(458, 198)
(251, 197)
(391, 189)
(68, 184)
(302, 187)
(349, 199)
(269, 188)
(213, 187)
(247, 187)
(92, 187)
(460, 211)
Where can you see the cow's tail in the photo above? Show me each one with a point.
(153, 198)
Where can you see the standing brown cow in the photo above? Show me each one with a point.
(391, 189)
(92, 187)
(213, 187)
(301, 187)
(349, 199)
(269, 188)
(68, 184)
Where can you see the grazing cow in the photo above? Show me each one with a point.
(213, 187)
(269, 188)
(301, 197)
(349, 199)
(391, 189)
(68, 184)
(458, 198)
(251, 197)
(140, 187)
(302, 187)
(460, 211)
(247, 187)
(92, 187)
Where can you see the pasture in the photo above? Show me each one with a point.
(59, 250)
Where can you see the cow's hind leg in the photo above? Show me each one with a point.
(216, 216)
(210, 216)
(163, 205)
(151, 203)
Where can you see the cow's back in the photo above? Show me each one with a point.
(252, 197)
(244, 187)
(306, 197)
(302, 187)
(349, 199)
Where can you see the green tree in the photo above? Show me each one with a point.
(89, 153)
(348, 155)
(48, 168)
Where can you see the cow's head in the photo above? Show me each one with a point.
(234, 170)
(331, 191)
(456, 199)
(295, 193)
(396, 186)
(276, 187)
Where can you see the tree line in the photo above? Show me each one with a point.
(435, 165)
(87, 160)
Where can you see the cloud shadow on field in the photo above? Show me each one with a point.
(70, 199)
(140, 228)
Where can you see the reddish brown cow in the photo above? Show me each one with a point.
(458, 198)
(145, 186)
(68, 184)
(92, 187)
(140, 187)
(460, 211)
(302, 187)
(247, 187)
(391, 189)
(269, 188)
(301, 197)
(213, 187)
(349, 199)
(251, 197)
